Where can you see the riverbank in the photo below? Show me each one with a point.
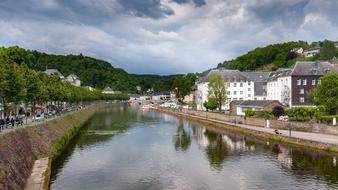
(317, 141)
(20, 149)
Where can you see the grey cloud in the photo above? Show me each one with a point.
(163, 36)
(146, 8)
(291, 13)
(198, 3)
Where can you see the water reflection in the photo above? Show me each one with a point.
(122, 148)
(182, 139)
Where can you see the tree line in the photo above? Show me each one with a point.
(19, 84)
(275, 56)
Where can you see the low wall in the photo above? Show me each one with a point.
(260, 122)
(19, 149)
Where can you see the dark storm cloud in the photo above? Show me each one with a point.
(197, 3)
(289, 12)
(146, 8)
(163, 36)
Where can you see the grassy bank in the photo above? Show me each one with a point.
(261, 135)
(19, 149)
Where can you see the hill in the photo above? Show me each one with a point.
(275, 56)
(92, 72)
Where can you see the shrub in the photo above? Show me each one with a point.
(265, 114)
(303, 113)
(249, 113)
(278, 111)
(211, 104)
(327, 119)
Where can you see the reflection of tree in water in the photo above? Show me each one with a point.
(325, 166)
(101, 127)
(182, 139)
(216, 149)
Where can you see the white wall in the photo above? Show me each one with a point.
(278, 87)
(236, 90)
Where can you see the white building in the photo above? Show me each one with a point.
(55, 72)
(260, 83)
(107, 90)
(279, 86)
(73, 80)
(298, 50)
(239, 87)
(291, 86)
(311, 52)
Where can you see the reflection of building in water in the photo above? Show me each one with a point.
(201, 138)
(234, 143)
(237, 145)
(284, 157)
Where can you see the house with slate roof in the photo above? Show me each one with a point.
(239, 87)
(54, 72)
(291, 86)
(239, 107)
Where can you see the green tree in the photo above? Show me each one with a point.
(326, 93)
(327, 51)
(211, 104)
(181, 86)
(217, 90)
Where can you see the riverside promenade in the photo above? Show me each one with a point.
(317, 138)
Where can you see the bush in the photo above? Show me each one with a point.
(303, 113)
(327, 119)
(249, 113)
(211, 104)
(265, 114)
(278, 111)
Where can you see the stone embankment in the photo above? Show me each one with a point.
(302, 134)
(37, 145)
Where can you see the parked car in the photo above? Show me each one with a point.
(39, 117)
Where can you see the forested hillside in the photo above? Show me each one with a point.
(275, 56)
(92, 72)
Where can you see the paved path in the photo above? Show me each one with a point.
(30, 122)
(37, 178)
(313, 137)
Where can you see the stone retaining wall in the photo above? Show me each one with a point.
(20, 148)
(260, 122)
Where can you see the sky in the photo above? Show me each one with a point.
(163, 36)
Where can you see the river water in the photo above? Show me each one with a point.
(125, 148)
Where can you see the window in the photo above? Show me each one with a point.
(228, 92)
(249, 95)
(301, 91)
(229, 99)
(249, 82)
(304, 82)
(301, 99)
(313, 82)
(240, 98)
(299, 82)
(228, 84)
(235, 92)
(235, 98)
(241, 84)
(318, 81)
(249, 89)
(241, 92)
(235, 84)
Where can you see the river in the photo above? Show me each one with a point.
(126, 148)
